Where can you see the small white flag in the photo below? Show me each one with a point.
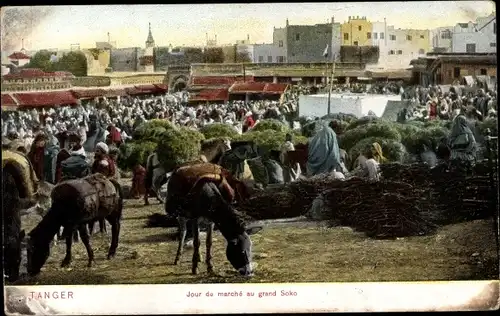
(325, 53)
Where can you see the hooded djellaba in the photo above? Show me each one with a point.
(462, 142)
(324, 152)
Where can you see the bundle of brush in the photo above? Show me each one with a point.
(385, 209)
(417, 174)
(306, 190)
(463, 198)
(272, 203)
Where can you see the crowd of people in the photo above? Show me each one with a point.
(59, 136)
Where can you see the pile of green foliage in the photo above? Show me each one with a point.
(151, 130)
(219, 130)
(269, 139)
(381, 129)
(393, 150)
(179, 145)
(134, 153)
(271, 124)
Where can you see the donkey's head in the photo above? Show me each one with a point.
(239, 252)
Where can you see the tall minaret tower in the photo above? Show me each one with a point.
(148, 57)
(150, 42)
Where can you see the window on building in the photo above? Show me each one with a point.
(375, 35)
(456, 72)
(400, 52)
(359, 28)
(280, 43)
(281, 59)
(297, 37)
(422, 36)
(346, 36)
(483, 72)
(355, 43)
(408, 37)
(421, 51)
(261, 59)
(392, 37)
(446, 34)
(470, 48)
(391, 52)
(449, 73)
(493, 44)
(269, 59)
(368, 35)
(381, 35)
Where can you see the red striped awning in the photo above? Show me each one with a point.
(161, 87)
(211, 95)
(247, 87)
(7, 100)
(275, 88)
(133, 91)
(39, 99)
(113, 93)
(88, 93)
(147, 88)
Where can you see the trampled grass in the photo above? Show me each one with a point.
(304, 252)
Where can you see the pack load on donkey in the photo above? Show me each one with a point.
(76, 203)
(204, 190)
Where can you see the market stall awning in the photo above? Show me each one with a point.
(147, 88)
(39, 99)
(161, 87)
(113, 93)
(211, 95)
(8, 101)
(88, 93)
(275, 88)
(247, 87)
(133, 91)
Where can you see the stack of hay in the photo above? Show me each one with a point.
(385, 209)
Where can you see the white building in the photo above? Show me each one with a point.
(478, 37)
(263, 53)
(442, 38)
(397, 47)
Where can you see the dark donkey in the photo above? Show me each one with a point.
(202, 190)
(75, 203)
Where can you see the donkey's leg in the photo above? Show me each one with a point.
(102, 226)
(75, 235)
(196, 245)
(69, 241)
(91, 225)
(84, 235)
(208, 259)
(182, 237)
(115, 234)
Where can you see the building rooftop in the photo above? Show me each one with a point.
(19, 55)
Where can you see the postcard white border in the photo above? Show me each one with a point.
(309, 297)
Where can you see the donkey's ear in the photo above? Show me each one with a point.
(253, 230)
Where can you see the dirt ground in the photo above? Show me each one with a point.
(295, 252)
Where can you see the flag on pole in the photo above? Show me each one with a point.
(325, 53)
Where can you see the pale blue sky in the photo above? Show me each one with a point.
(187, 24)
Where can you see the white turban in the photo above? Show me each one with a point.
(103, 147)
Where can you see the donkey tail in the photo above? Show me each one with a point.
(121, 197)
